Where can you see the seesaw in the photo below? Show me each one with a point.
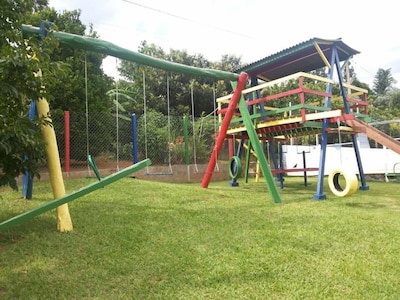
(74, 195)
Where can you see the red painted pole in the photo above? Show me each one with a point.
(241, 84)
(66, 142)
(230, 147)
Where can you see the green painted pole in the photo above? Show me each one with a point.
(75, 195)
(107, 48)
(268, 177)
(92, 163)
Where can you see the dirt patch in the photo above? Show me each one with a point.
(164, 173)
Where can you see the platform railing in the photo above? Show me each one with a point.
(304, 98)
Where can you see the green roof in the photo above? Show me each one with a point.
(303, 57)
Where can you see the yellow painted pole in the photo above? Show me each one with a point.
(257, 171)
(64, 223)
(322, 55)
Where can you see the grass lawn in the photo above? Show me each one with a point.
(139, 239)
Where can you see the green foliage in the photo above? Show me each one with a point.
(81, 87)
(153, 135)
(19, 139)
(20, 59)
(179, 84)
(279, 88)
(205, 132)
(124, 151)
(386, 107)
(386, 102)
(124, 100)
(383, 81)
(124, 139)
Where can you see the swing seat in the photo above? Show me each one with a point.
(196, 170)
(160, 173)
(394, 175)
(157, 174)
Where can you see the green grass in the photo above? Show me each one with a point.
(139, 239)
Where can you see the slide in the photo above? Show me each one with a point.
(375, 134)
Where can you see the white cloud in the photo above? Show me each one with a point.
(252, 29)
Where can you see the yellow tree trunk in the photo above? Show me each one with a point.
(64, 223)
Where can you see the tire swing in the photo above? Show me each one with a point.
(350, 178)
(350, 186)
(235, 167)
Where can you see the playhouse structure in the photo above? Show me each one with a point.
(254, 114)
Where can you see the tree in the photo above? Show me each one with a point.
(229, 63)
(383, 81)
(153, 136)
(180, 84)
(385, 108)
(20, 59)
(83, 83)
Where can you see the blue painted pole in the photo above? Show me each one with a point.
(363, 180)
(280, 175)
(134, 139)
(272, 155)
(364, 186)
(27, 180)
(324, 135)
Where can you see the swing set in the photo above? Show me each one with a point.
(200, 131)
(196, 133)
(169, 170)
(64, 222)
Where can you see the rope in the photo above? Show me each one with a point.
(170, 172)
(145, 118)
(117, 115)
(215, 123)
(87, 113)
(169, 127)
(194, 131)
(214, 113)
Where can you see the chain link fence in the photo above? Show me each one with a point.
(109, 140)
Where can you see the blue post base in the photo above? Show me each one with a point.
(233, 183)
(364, 188)
(280, 179)
(319, 197)
(27, 186)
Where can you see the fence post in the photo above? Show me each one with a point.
(66, 142)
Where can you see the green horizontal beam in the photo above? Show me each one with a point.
(107, 48)
(75, 195)
(271, 113)
(312, 124)
(318, 108)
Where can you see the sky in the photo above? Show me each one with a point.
(250, 29)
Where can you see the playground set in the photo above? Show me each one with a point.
(247, 115)
(252, 114)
